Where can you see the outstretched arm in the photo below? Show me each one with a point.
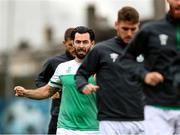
(39, 93)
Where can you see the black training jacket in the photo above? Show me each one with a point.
(47, 72)
(159, 42)
(119, 97)
(175, 69)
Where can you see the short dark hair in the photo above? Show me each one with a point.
(128, 13)
(81, 30)
(67, 34)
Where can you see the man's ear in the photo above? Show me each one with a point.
(72, 42)
(116, 24)
(93, 43)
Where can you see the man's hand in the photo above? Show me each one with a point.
(56, 95)
(153, 78)
(19, 91)
(89, 88)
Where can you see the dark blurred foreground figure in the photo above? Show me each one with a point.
(48, 70)
(159, 42)
(119, 99)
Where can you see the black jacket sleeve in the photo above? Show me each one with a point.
(175, 69)
(87, 68)
(45, 74)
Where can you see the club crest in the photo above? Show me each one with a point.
(113, 56)
(163, 39)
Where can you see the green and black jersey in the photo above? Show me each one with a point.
(77, 111)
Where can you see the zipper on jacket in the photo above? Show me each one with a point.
(178, 35)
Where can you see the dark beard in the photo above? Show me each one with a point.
(172, 12)
(80, 56)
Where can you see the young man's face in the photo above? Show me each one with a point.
(82, 44)
(69, 46)
(126, 30)
(174, 8)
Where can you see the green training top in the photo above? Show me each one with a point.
(77, 111)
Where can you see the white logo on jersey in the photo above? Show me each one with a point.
(68, 70)
(140, 58)
(163, 39)
(114, 56)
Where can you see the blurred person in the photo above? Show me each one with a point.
(159, 42)
(46, 73)
(119, 99)
(78, 112)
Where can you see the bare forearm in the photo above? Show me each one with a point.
(38, 94)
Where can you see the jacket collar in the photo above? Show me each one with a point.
(120, 41)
